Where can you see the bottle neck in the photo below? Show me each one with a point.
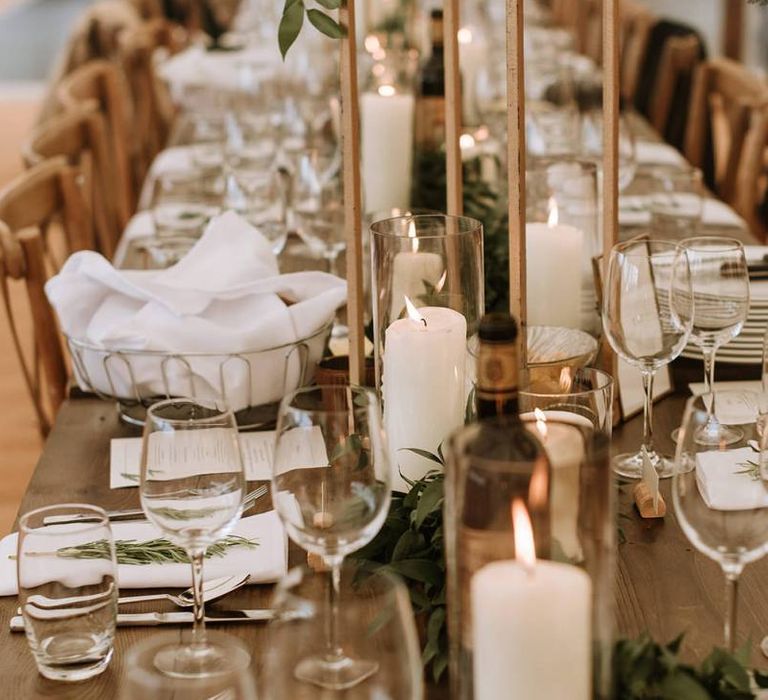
(497, 380)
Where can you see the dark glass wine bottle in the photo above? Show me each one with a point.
(430, 115)
(497, 366)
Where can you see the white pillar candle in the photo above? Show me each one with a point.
(423, 386)
(531, 626)
(473, 53)
(554, 253)
(566, 450)
(386, 119)
(531, 632)
(413, 272)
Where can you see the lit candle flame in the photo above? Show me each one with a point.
(413, 312)
(566, 380)
(387, 90)
(464, 35)
(525, 547)
(412, 236)
(554, 217)
(372, 43)
(541, 422)
(466, 141)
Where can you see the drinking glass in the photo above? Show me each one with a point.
(676, 203)
(143, 680)
(720, 284)
(68, 591)
(592, 144)
(179, 206)
(192, 486)
(331, 488)
(720, 491)
(376, 616)
(647, 318)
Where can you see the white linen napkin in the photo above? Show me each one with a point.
(266, 563)
(225, 296)
(653, 153)
(635, 210)
(724, 482)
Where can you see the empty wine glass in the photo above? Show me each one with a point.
(376, 616)
(143, 680)
(592, 144)
(720, 491)
(331, 488)
(720, 283)
(178, 206)
(192, 486)
(647, 318)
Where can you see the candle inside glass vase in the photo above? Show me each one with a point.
(423, 386)
(531, 625)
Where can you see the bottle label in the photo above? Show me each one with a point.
(497, 369)
(430, 122)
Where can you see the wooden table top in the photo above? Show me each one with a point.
(663, 585)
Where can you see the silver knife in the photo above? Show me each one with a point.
(175, 618)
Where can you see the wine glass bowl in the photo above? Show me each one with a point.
(647, 318)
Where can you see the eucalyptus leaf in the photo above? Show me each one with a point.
(330, 4)
(422, 570)
(425, 454)
(290, 25)
(325, 24)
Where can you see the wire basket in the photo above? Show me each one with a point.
(250, 382)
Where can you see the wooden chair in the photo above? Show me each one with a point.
(80, 135)
(42, 202)
(678, 60)
(592, 30)
(153, 107)
(636, 25)
(724, 97)
(101, 84)
(751, 188)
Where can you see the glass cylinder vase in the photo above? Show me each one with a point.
(512, 615)
(427, 288)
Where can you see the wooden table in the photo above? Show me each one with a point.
(663, 586)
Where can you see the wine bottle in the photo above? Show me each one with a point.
(497, 366)
(430, 115)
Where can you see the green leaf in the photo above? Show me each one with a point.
(290, 25)
(330, 4)
(681, 686)
(430, 502)
(325, 24)
(409, 543)
(423, 453)
(422, 570)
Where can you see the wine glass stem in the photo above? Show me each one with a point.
(333, 650)
(709, 375)
(648, 410)
(197, 557)
(732, 599)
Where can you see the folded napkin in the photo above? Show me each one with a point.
(635, 210)
(266, 563)
(222, 70)
(225, 296)
(726, 480)
(653, 153)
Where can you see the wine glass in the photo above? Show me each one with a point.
(143, 679)
(720, 491)
(647, 318)
(376, 616)
(331, 488)
(192, 485)
(720, 283)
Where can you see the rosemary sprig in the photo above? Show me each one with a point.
(751, 468)
(157, 551)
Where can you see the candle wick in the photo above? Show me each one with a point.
(424, 321)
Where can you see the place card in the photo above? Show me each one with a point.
(730, 480)
(196, 449)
